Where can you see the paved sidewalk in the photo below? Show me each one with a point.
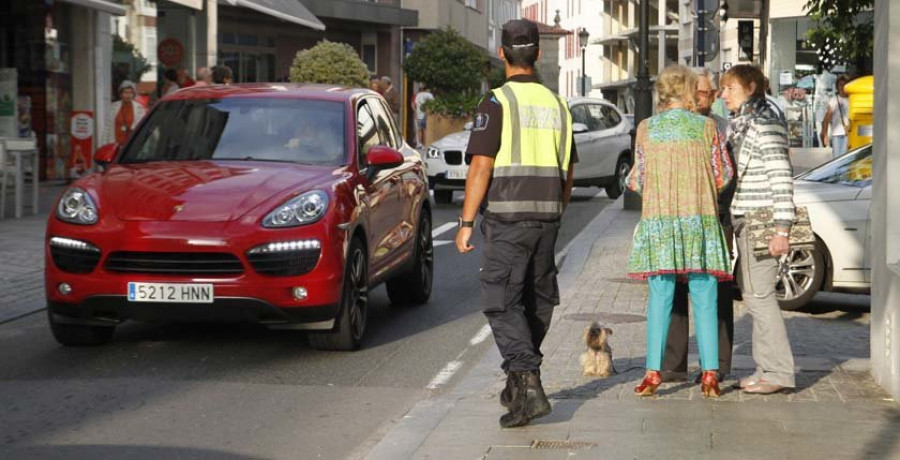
(22, 257)
(837, 411)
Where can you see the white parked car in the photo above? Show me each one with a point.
(602, 136)
(838, 195)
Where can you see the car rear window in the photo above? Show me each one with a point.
(251, 129)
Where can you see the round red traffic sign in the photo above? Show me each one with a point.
(170, 52)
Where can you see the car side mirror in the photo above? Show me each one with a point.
(381, 157)
(579, 128)
(106, 154)
(468, 126)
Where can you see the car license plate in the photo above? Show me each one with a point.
(170, 292)
(456, 174)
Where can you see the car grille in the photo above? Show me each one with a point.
(453, 157)
(174, 263)
(285, 263)
(74, 260)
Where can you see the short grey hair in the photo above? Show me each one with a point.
(386, 80)
(704, 72)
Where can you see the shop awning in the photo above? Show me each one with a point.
(106, 6)
(195, 4)
(286, 10)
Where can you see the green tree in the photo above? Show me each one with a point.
(452, 67)
(132, 64)
(330, 63)
(841, 31)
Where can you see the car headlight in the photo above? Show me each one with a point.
(302, 210)
(77, 207)
(433, 153)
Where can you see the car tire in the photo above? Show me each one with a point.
(79, 334)
(443, 196)
(414, 286)
(623, 167)
(351, 321)
(806, 273)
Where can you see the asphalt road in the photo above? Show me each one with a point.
(242, 391)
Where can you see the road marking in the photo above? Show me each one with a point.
(444, 375)
(442, 229)
(481, 335)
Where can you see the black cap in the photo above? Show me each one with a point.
(520, 33)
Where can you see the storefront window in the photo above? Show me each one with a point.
(250, 57)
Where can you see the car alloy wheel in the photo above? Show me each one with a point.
(801, 278)
(623, 167)
(354, 306)
(414, 286)
(358, 294)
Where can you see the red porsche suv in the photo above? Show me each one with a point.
(271, 203)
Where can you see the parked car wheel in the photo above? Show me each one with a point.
(414, 287)
(623, 167)
(443, 196)
(354, 305)
(802, 279)
(79, 334)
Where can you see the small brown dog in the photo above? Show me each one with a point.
(596, 361)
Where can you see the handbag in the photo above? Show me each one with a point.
(760, 228)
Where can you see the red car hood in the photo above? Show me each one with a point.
(202, 191)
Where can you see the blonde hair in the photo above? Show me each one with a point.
(677, 84)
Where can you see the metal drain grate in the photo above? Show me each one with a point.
(562, 445)
(606, 318)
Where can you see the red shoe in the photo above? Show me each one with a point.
(709, 385)
(648, 386)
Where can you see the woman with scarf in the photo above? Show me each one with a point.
(758, 137)
(681, 166)
(124, 115)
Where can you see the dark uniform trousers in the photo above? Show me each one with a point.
(519, 288)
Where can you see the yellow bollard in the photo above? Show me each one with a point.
(861, 94)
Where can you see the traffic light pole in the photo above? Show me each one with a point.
(701, 33)
(643, 96)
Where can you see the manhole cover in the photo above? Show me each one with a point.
(624, 281)
(606, 318)
(562, 445)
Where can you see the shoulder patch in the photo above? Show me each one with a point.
(481, 122)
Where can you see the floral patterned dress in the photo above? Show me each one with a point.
(680, 167)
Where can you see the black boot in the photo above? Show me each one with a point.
(508, 391)
(528, 400)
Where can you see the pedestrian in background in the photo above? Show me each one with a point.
(124, 115)
(675, 361)
(760, 143)
(392, 96)
(204, 77)
(418, 102)
(375, 84)
(170, 84)
(521, 175)
(183, 78)
(222, 75)
(837, 120)
(680, 168)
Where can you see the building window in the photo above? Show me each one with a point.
(369, 57)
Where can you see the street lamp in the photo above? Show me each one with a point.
(583, 41)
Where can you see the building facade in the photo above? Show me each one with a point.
(57, 53)
(573, 16)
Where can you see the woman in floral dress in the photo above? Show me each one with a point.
(681, 166)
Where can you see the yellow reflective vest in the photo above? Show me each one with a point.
(535, 147)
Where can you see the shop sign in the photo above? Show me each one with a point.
(82, 144)
(170, 52)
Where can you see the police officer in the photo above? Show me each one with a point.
(522, 151)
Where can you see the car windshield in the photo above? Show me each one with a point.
(853, 168)
(251, 129)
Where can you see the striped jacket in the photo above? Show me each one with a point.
(764, 172)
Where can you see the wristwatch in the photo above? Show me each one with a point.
(784, 234)
(464, 223)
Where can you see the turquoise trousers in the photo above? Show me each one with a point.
(704, 292)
